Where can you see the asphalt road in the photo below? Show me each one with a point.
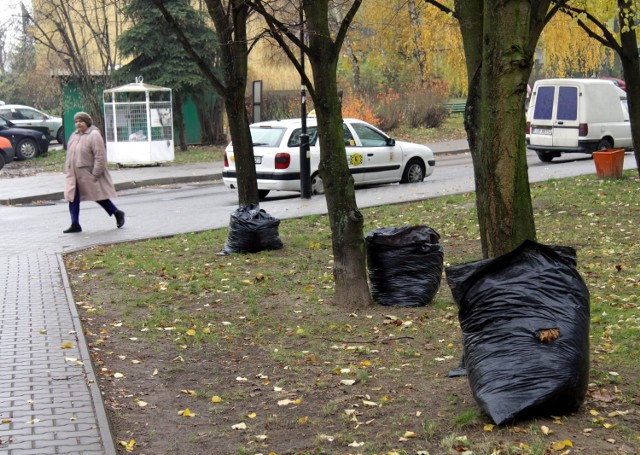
(167, 210)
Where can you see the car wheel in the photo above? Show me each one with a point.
(604, 144)
(60, 135)
(545, 157)
(26, 149)
(413, 172)
(317, 187)
(263, 194)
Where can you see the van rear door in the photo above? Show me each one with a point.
(555, 117)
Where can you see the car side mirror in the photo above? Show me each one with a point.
(391, 141)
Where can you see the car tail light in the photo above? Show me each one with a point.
(527, 128)
(583, 129)
(283, 160)
(226, 160)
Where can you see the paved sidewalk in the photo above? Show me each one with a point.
(50, 402)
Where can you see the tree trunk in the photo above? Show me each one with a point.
(631, 68)
(496, 37)
(349, 260)
(242, 148)
(179, 121)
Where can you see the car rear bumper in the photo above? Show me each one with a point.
(582, 147)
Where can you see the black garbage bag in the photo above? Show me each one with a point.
(251, 230)
(405, 265)
(525, 327)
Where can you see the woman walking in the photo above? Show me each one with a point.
(87, 176)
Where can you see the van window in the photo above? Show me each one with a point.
(544, 103)
(567, 103)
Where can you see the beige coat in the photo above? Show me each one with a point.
(86, 167)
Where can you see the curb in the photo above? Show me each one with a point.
(59, 195)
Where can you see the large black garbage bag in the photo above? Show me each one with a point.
(525, 326)
(405, 265)
(251, 230)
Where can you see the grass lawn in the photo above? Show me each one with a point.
(249, 354)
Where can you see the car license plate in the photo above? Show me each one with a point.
(544, 131)
(258, 159)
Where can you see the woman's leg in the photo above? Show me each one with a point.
(108, 206)
(74, 211)
(111, 209)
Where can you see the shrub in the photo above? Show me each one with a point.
(390, 110)
(425, 107)
(355, 106)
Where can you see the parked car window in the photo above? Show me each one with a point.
(544, 103)
(368, 136)
(266, 136)
(349, 141)
(294, 140)
(30, 114)
(567, 103)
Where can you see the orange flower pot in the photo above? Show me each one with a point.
(609, 163)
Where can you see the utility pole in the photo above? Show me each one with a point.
(305, 158)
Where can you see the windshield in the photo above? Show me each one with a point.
(266, 136)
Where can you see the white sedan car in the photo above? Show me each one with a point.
(28, 117)
(373, 156)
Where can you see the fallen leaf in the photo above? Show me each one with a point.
(488, 428)
(560, 445)
(304, 419)
(252, 415)
(216, 399)
(239, 426)
(546, 430)
(348, 382)
(356, 444)
(191, 393)
(186, 413)
(191, 332)
(129, 446)
(118, 375)
(67, 345)
(409, 434)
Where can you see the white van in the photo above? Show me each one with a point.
(577, 115)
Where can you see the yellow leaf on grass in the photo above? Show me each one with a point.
(206, 330)
(239, 426)
(488, 427)
(216, 399)
(186, 413)
(191, 393)
(304, 419)
(252, 415)
(609, 425)
(191, 332)
(593, 412)
(546, 430)
(409, 434)
(67, 345)
(559, 445)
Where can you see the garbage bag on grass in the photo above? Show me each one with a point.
(405, 265)
(251, 230)
(525, 326)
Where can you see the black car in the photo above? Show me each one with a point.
(26, 143)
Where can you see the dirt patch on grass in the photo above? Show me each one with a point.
(290, 372)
